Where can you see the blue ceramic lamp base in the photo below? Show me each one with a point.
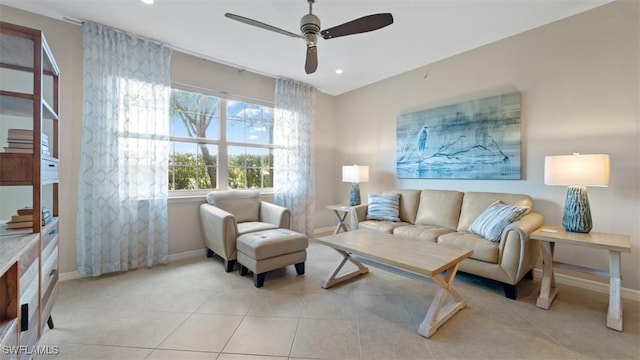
(354, 194)
(577, 213)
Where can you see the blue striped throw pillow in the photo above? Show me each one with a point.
(384, 207)
(495, 218)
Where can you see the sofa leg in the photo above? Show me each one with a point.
(243, 270)
(209, 253)
(510, 291)
(229, 265)
(300, 268)
(529, 275)
(258, 279)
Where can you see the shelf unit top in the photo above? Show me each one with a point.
(17, 51)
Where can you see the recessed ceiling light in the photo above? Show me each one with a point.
(339, 71)
(149, 2)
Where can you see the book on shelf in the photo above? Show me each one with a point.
(20, 145)
(18, 150)
(26, 221)
(26, 210)
(19, 225)
(20, 134)
(20, 218)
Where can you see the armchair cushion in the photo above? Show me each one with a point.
(253, 226)
(243, 204)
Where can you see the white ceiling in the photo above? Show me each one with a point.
(424, 31)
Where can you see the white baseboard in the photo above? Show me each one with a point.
(187, 255)
(596, 286)
(72, 275)
(560, 278)
(324, 231)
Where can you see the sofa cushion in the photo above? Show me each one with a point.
(381, 226)
(409, 200)
(474, 203)
(439, 208)
(421, 232)
(495, 218)
(384, 207)
(244, 205)
(483, 249)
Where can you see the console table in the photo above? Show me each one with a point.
(615, 244)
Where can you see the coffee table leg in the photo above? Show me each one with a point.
(333, 277)
(614, 314)
(439, 310)
(548, 289)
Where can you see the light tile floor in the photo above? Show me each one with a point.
(192, 309)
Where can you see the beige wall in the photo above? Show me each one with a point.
(579, 81)
(185, 233)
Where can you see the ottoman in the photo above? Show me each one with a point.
(267, 250)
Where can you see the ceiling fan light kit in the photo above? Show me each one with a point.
(310, 29)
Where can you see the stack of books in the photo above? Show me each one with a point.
(44, 145)
(21, 141)
(24, 218)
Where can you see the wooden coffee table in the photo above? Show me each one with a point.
(434, 261)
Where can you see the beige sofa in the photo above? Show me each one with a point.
(445, 216)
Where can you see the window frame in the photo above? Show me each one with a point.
(222, 143)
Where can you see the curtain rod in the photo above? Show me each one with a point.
(185, 51)
(240, 69)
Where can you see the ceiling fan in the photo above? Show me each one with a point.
(310, 29)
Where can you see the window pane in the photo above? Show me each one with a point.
(250, 167)
(249, 123)
(207, 164)
(192, 166)
(194, 115)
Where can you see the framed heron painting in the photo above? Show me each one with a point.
(478, 139)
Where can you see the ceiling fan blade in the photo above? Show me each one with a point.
(311, 64)
(259, 24)
(357, 26)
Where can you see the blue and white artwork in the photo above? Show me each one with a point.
(477, 139)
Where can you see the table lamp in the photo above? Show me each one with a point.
(577, 172)
(355, 175)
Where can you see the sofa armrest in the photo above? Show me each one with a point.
(518, 254)
(361, 212)
(220, 231)
(275, 214)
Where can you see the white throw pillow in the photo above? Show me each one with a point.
(495, 218)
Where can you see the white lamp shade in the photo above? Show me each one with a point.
(577, 169)
(355, 173)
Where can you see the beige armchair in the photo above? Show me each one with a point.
(230, 213)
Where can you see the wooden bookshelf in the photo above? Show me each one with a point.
(29, 257)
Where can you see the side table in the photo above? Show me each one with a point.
(615, 244)
(342, 212)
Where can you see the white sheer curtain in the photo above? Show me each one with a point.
(294, 178)
(122, 195)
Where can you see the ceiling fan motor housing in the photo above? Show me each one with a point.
(310, 27)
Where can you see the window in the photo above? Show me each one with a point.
(219, 143)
